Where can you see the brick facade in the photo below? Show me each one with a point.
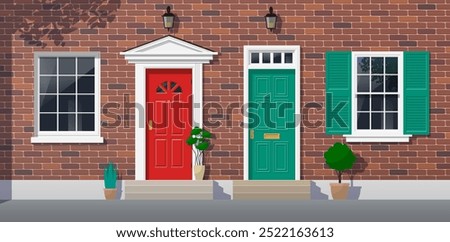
(224, 26)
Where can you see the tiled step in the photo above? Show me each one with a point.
(272, 190)
(168, 190)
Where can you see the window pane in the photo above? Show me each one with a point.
(391, 83)
(47, 122)
(67, 103)
(363, 65)
(66, 66)
(67, 84)
(276, 57)
(85, 122)
(363, 84)
(47, 84)
(391, 65)
(377, 83)
(363, 121)
(391, 102)
(85, 103)
(47, 65)
(86, 84)
(178, 90)
(377, 102)
(266, 57)
(391, 121)
(48, 103)
(287, 57)
(67, 122)
(172, 85)
(377, 121)
(255, 57)
(377, 65)
(363, 102)
(86, 66)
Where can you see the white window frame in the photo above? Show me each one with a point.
(377, 135)
(67, 136)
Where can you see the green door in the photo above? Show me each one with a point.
(271, 124)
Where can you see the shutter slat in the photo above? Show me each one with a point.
(416, 92)
(338, 92)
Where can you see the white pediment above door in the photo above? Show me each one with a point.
(169, 49)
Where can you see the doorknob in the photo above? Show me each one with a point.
(252, 133)
(150, 125)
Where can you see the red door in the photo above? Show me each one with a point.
(169, 117)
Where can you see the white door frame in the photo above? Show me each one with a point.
(164, 53)
(295, 49)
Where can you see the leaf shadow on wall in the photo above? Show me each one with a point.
(55, 19)
(359, 167)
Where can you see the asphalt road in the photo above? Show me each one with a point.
(225, 211)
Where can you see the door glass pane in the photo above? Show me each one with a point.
(255, 57)
(47, 122)
(266, 57)
(67, 122)
(287, 57)
(48, 103)
(276, 57)
(363, 121)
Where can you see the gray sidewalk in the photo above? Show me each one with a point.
(225, 211)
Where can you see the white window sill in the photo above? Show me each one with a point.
(378, 138)
(67, 139)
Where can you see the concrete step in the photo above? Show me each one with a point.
(168, 190)
(271, 190)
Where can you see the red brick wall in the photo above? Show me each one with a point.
(224, 26)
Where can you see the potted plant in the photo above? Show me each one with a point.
(340, 158)
(199, 140)
(110, 178)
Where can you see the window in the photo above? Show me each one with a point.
(271, 57)
(67, 98)
(380, 96)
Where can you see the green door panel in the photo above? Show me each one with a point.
(271, 124)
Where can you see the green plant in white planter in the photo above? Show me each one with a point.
(199, 140)
(110, 179)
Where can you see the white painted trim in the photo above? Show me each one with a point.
(70, 136)
(375, 135)
(296, 66)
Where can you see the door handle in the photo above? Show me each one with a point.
(252, 133)
(150, 125)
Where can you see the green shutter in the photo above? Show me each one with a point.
(416, 119)
(338, 92)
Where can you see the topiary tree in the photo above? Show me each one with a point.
(339, 157)
(110, 176)
(199, 139)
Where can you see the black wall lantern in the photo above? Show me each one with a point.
(168, 18)
(271, 19)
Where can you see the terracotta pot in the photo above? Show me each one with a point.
(339, 191)
(199, 172)
(110, 194)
